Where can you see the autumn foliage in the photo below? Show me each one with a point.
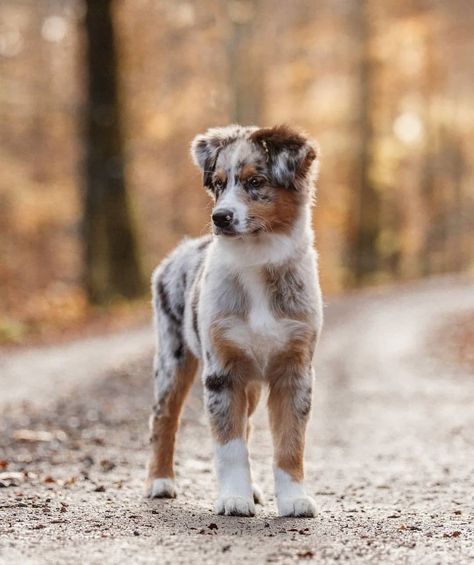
(385, 87)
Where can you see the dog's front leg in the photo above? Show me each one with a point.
(289, 404)
(226, 401)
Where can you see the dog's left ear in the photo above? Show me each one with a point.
(290, 154)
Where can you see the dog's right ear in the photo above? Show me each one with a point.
(205, 148)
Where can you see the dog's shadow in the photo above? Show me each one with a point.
(180, 516)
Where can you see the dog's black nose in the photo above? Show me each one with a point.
(223, 218)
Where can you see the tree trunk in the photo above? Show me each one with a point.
(112, 266)
(366, 255)
(245, 68)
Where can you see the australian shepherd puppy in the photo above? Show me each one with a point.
(245, 304)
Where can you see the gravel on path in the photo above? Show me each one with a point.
(390, 457)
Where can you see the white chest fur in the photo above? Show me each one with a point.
(261, 333)
(260, 317)
(252, 324)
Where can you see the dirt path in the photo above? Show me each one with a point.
(41, 373)
(390, 457)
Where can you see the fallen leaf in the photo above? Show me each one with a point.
(107, 465)
(39, 435)
(305, 554)
(11, 479)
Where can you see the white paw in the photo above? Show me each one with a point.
(235, 506)
(299, 507)
(162, 488)
(257, 494)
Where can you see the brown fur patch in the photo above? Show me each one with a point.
(221, 175)
(230, 355)
(296, 357)
(164, 425)
(279, 214)
(247, 171)
(233, 422)
(282, 135)
(288, 428)
(288, 443)
(254, 390)
(301, 151)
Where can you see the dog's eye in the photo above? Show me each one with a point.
(218, 183)
(255, 182)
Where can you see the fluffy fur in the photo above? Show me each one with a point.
(245, 302)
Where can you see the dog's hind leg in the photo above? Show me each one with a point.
(172, 389)
(175, 368)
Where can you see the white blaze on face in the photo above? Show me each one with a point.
(233, 197)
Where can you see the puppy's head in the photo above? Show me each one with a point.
(260, 178)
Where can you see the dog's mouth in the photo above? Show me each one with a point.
(231, 234)
(226, 232)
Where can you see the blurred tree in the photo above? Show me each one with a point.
(245, 68)
(386, 87)
(112, 266)
(368, 206)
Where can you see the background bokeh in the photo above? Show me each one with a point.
(387, 88)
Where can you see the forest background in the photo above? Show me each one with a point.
(99, 101)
